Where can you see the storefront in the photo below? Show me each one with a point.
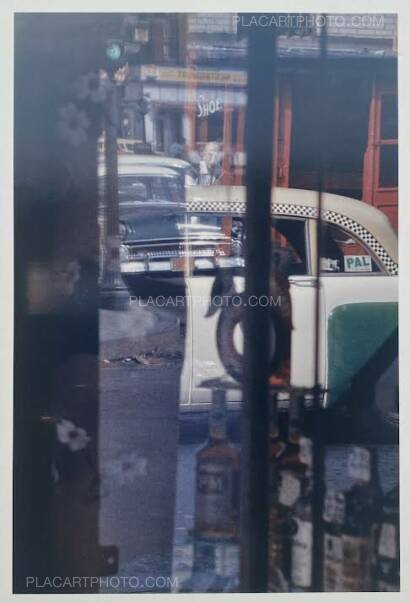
(202, 112)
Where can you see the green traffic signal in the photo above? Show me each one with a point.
(114, 51)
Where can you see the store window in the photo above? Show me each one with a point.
(132, 396)
(388, 165)
(389, 117)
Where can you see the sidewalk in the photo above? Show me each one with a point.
(138, 436)
(138, 330)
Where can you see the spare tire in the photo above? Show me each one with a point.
(230, 320)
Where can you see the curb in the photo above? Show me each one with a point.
(169, 340)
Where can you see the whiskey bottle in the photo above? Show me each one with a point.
(277, 511)
(363, 510)
(290, 459)
(217, 479)
(302, 530)
(333, 518)
(388, 545)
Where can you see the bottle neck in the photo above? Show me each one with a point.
(218, 417)
(307, 484)
(295, 432)
(277, 423)
(217, 431)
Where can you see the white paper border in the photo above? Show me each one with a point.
(7, 8)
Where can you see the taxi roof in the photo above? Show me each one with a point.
(372, 219)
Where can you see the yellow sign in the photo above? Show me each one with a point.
(199, 76)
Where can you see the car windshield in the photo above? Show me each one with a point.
(150, 188)
(136, 188)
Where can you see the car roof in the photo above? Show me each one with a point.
(129, 169)
(164, 160)
(158, 160)
(349, 213)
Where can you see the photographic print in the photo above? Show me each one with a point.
(206, 372)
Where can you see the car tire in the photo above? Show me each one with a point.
(230, 319)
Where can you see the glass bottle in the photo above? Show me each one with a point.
(217, 479)
(388, 545)
(301, 576)
(363, 511)
(290, 456)
(333, 518)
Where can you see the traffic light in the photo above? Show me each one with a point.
(114, 50)
(119, 52)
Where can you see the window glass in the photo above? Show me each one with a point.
(134, 391)
(150, 188)
(217, 241)
(289, 246)
(389, 117)
(341, 252)
(388, 177)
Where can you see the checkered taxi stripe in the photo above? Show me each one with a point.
(303, 211)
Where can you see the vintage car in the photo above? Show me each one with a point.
(202, 245)
(149, 189)
(129, 163)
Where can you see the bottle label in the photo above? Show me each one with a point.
(334, 507)
(215, 489)
(302, 554)
(358, 464)
(289, 489)
(356, 563)
(305, 451)
(333, 563)
(387, 541)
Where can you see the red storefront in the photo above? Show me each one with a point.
(362, 138)
(199, 60)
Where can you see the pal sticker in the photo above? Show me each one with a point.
(358, 263)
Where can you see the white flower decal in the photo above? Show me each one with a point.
(92, 86)
(75, 438)
(73, 125)
(127, 468)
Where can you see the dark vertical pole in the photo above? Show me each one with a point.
(318, 425)
(114, 294)
(255, 415)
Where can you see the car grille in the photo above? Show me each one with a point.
(135, 252)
